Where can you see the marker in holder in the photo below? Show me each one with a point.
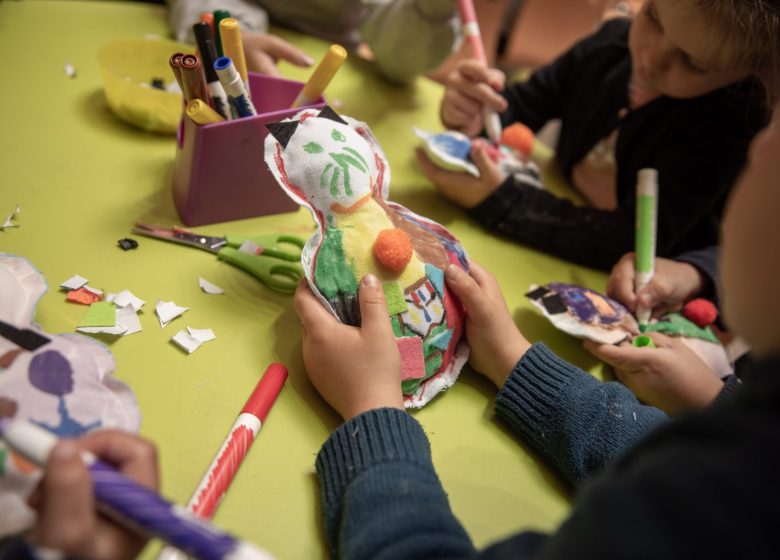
(219, 171)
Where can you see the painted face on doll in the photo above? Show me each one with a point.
(326, 159)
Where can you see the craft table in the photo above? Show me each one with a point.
(83, 177)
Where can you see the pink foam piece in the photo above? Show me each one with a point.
(412, 357)
(219, 173)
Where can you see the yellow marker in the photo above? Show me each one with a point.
(321, 76)
(201, 113)
(233, 47)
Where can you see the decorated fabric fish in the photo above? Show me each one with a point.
(334, 166)
(63, 383)
(584, 313)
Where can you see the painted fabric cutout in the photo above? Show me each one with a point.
(451, 150)
(63, 383)
(334, 166)
(588, 314)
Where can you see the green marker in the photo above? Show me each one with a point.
(219, 15)
(643, 341)
(646, 220)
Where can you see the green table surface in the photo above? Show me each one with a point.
(82, 177)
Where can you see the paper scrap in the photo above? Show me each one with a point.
(251, 248)
(9, 221)
(208, 287)
(127, 318)
(83, 296)
(93, 290)
(70, 70)
(167, 311)
(99, 314)
(74, 282)
(186, 341)
(125, 298)
(201, 335)
(116, 330)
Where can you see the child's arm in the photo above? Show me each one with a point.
(409, 37)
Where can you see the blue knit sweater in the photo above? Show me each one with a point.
(662, 497)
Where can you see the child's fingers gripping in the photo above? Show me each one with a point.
(620, 285)
(132, 455)
(489, 172)
(469, 292)
(373, 307)
(476, 71)
(311, 312)
(616, 356)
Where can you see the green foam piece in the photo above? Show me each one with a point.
(99, 314)
(395, 298)
(674, 324)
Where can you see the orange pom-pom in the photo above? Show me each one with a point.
(393, 249)
(518, 137)
(700, 311)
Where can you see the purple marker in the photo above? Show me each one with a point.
(133, 505)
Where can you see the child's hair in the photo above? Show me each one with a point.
(750, 33)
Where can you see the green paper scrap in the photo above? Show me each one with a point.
(99, 314)
(674, 324)
(395, 298)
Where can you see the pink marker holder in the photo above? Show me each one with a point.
(220, 173)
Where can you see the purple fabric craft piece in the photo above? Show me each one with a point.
(51, 373)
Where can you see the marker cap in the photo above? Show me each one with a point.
(262, 398)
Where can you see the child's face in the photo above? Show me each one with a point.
(750, 266)
(673, 54)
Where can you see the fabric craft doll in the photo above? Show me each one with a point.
(587, 314)
(334, 166)
(63, 383)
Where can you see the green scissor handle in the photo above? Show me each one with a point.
(280, 275)
(278, 245)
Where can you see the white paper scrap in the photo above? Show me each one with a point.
(93, 290)
(187, 342)
(9, 221)
(116, 330)
(70, 70)
(167, 311)
(251, 248)
(201, 335)
(74, 282)
(208, 287)
(126, 317)
(126, 297)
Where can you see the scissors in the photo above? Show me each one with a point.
(277, 267)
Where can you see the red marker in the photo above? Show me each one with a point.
(223, 468)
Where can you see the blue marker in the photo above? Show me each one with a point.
(234, 87)
(133, 505)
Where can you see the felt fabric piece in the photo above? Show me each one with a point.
(99, 314)
(24, 338)
(553, 304)
(334, 167)
(674, 324)
(63, 383)
(82, 296)
(395, 298)
(412, 360)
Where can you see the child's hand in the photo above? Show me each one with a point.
(463, 189)
(67, 519)
(263, 51)
(670, 377)
(495, 341)
(470, 87)
(673, 284)
(354, 369)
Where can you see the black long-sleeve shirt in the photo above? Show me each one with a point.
(697, 145)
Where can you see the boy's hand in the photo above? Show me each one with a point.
(470, 87)
(670, 377)
(263, 51)
(67, 519)
(673, 284)
(460, 187)
(495, 341)
(354, 369)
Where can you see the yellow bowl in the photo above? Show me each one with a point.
(127, 67)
